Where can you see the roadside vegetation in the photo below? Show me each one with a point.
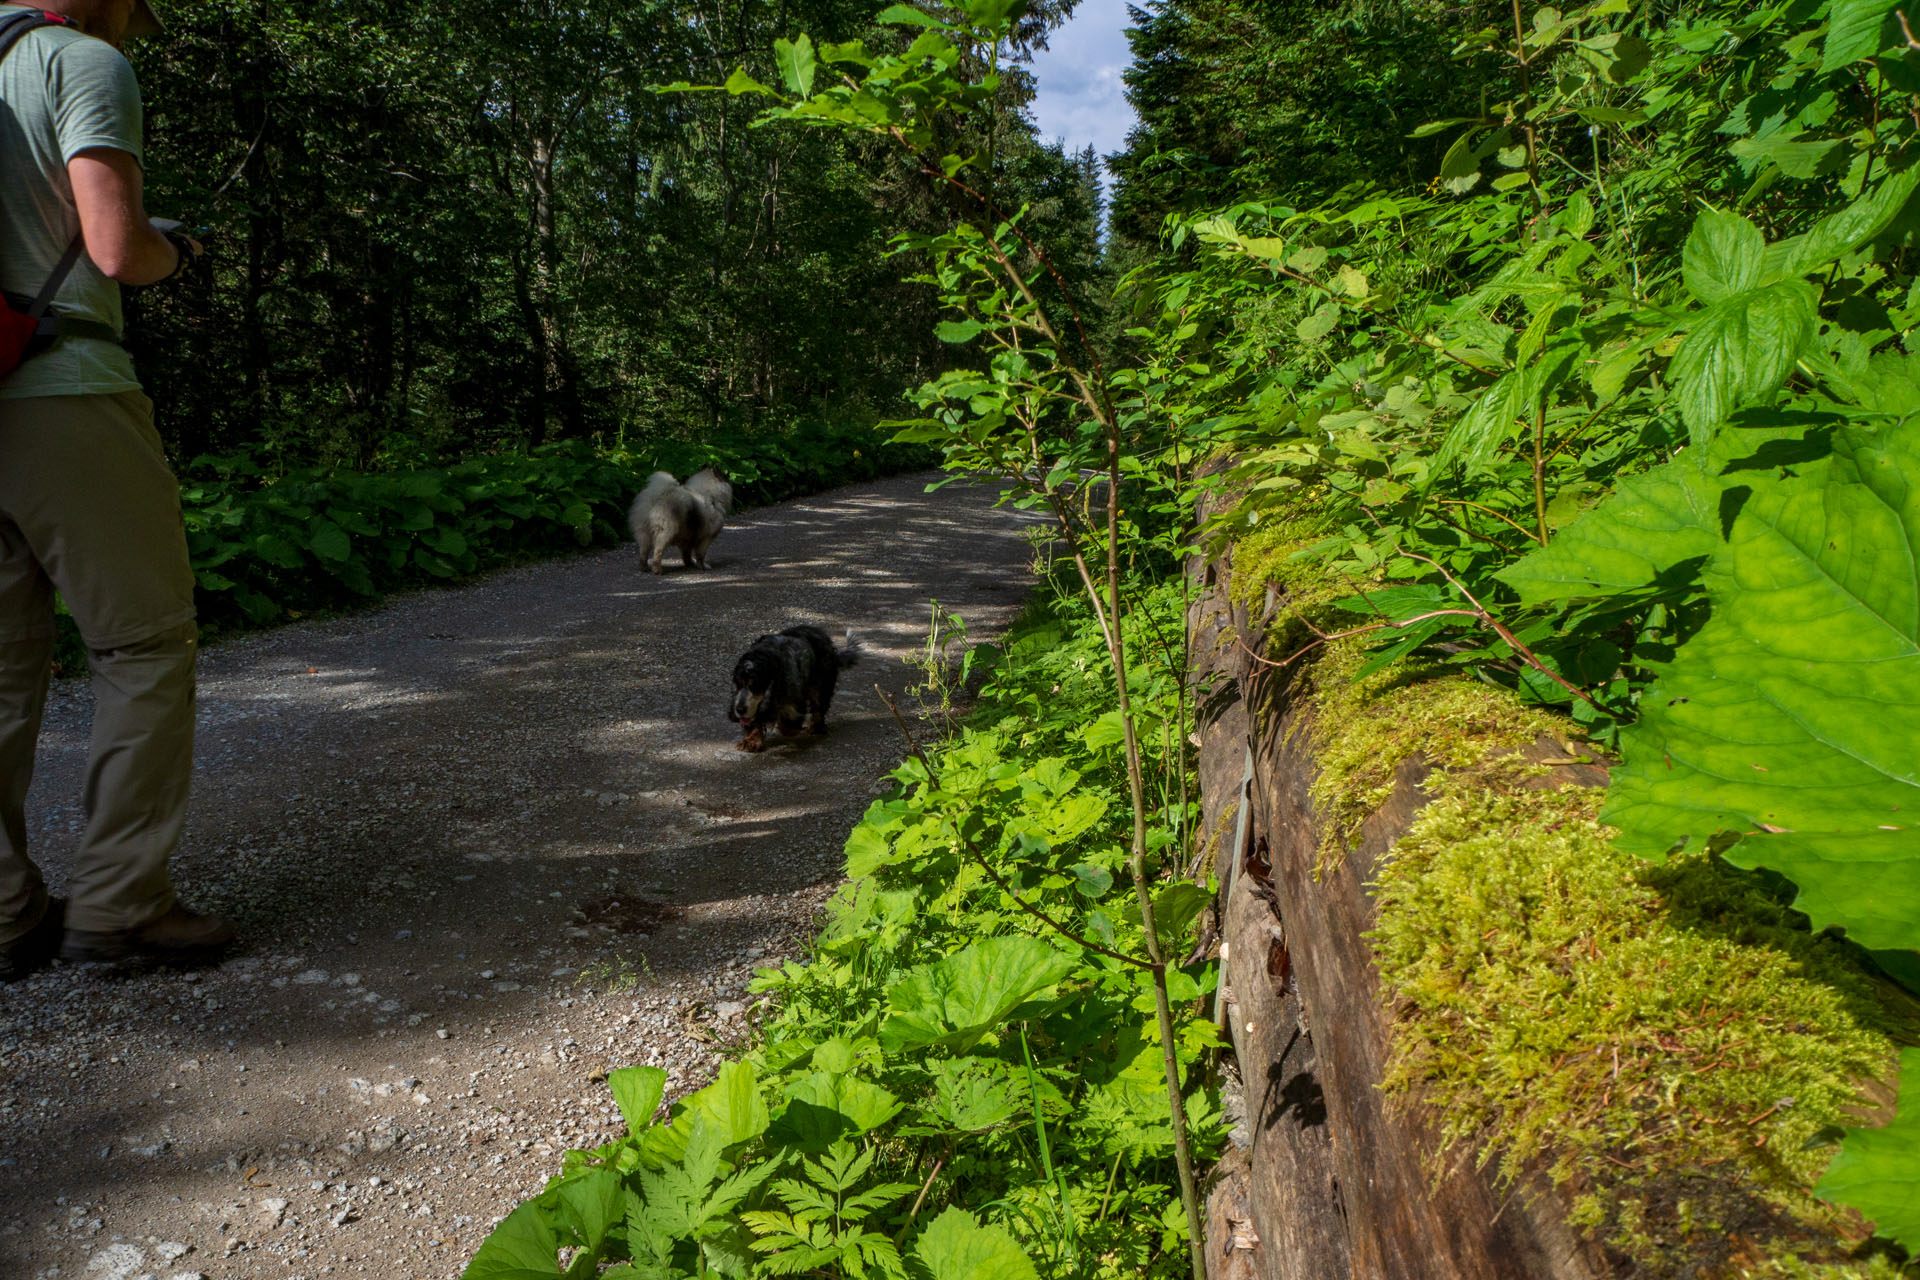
(1560, 359)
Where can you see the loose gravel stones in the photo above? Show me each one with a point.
(483, 846)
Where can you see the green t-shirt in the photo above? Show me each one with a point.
(60, 93)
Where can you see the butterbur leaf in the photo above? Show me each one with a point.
(637, 1092)
(731, 1105)
(591, 1203)
(824, 1106)
(1877, 1171)
(1722, 256)
(1105, 730)
(1791, 716)
(1854, 30)
(1308, 260)
(1650, 524)
(955, 1246)
(329, 540)
(1090, 881)
(796, 62)
(1631, 55)
(1842, 877)
(1176, 907)
(961, 998)
(526, 1246)
(1740, 351)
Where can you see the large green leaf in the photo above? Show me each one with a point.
(796, 62)
(823, 1107)
(1792, 717)
(1878, 1170)
(961, 998)
(1722, 256)
(956, 1247)
(1651, 523)
(637, 1092)
(523, 1247)
(1740, 351)
(591, 1203)
(329, 539)
(1839, 234)
(732, 1104)
(1854, 31)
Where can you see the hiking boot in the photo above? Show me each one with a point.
(179, 937)
(37, 950)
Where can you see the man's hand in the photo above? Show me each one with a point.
(107, 185)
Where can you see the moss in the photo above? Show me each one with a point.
(1277, 554)
(1798, 1269)
(1364, 730)
(1662, 1039)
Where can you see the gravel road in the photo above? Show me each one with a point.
(483, 845)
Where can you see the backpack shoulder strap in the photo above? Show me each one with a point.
(14, 28)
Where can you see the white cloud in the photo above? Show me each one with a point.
(1080, 97)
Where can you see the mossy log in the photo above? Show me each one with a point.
(1337, 1183)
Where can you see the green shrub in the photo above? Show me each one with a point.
(310, 541)
(946, 1080)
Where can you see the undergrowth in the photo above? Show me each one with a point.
(946, 1085)
(266, 549)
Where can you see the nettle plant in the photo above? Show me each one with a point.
(1621, 414)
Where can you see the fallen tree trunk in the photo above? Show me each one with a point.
(1336, 1181)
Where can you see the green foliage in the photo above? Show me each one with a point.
(485, 231)
(314, 540)
(948, 1089)
(1791, 716)
(1609, 406)
(1875, 1170)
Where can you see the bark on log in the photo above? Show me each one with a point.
(1340, 1184)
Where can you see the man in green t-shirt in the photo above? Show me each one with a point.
(88, 506)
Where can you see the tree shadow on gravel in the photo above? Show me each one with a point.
(528, 777)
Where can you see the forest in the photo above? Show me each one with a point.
(1541, 374)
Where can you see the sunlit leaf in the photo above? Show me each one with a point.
(955, 1246)
(1791, 717)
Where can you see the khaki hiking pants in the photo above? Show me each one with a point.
(88, 506)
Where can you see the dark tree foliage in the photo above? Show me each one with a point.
(436, 233)
(1286, 99)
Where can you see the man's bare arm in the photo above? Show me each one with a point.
(107, 185)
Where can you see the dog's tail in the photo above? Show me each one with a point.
(708, 483)
(849, 652)
(658, 484)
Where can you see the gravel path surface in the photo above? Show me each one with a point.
(483, 845)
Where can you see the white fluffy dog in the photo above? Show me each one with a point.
(688, 516)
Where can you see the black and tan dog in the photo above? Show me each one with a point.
(787, 680)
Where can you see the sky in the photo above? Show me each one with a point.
(1080, 95)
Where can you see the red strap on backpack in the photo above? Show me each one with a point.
(23, 331)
